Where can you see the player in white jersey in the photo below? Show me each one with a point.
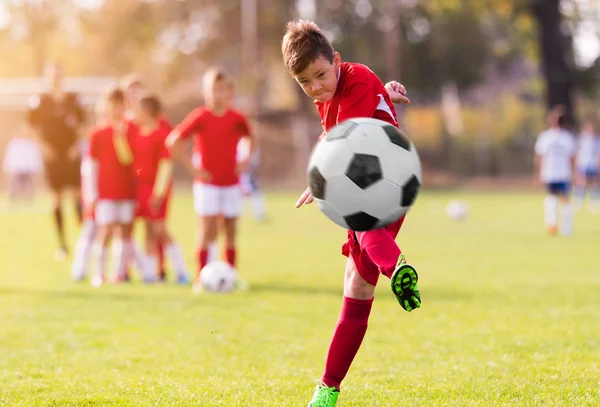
(587, 164)
(22, 162)
(555, 151)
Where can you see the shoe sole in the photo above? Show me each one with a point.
(404, 280)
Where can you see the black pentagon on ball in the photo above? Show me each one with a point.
(397, 137)
(316, 183)
(364, 170)
(360, 221)
(341, 131)
(410, 191)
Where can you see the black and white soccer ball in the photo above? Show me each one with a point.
(365, 174)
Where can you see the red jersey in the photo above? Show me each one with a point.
(216, 141)
(115, 180)
(359, 93)
(148, 150)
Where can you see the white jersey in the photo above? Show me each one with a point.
(588, 154)
(22, 156)
(556, 147)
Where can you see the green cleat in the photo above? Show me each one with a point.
(324, 396)
(404, 285)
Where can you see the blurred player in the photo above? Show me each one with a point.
(111, 189)
(555, 150)
(217, 129)
(587, 164)
(135, 87)
(56, 117)
(87, 234)
(153, 170)
(342, 91)
(249, 180)
(22, 162)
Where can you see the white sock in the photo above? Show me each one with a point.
(175, 255)
(99, 253)
(141, 261)
(83, 250)
(259, 208)
(551, 211)
(119, 258)
(151, 268)
(566, 227)
(213, 252)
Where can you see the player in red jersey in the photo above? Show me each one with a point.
(153, 171)
(135, 87)
(343, 91)
(217, 129)
(112, 188)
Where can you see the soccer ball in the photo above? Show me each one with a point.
(457, 210)
(365, 174)
(218, 277)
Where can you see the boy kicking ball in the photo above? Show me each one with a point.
(342, 91)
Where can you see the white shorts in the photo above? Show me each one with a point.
(109, 212)
(213, 200)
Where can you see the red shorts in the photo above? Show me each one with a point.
(364, 265)
(144, 209)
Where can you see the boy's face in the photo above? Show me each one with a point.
(319, 79)
(218, 94)
(115, 111)
(140, 115)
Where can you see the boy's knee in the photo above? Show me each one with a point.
(355, 286)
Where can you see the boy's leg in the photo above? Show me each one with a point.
(566, 227)
(83, 249)
(551, 212)
(380, 247)
(152, 261)
(231, 207)
(57, 213)
(348, 335)
(206, 206)
(99, 254)
(174, 253)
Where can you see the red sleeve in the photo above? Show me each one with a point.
(358, 100)
(190, 124)
(243, 127)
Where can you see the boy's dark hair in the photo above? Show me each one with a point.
(116, 95)
(151, 104)
(302, 44)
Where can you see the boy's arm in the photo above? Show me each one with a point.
(90, 170)
(164, 174)
(397, 92)
(242, 166)
(175, 142)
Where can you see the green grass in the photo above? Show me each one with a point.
(510, 317)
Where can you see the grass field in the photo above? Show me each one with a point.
(510, 317)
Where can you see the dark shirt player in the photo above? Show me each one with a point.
(56, 117)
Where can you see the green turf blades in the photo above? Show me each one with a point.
(324, 396)
(404, 285)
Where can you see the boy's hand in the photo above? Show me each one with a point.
(305, 198)
(202, 175)
(397, 92)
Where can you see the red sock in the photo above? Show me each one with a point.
(161, 259)
(347, 338)
(230, 254)
(202, 259)
(381, 248)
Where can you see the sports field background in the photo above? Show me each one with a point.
(510, 316)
